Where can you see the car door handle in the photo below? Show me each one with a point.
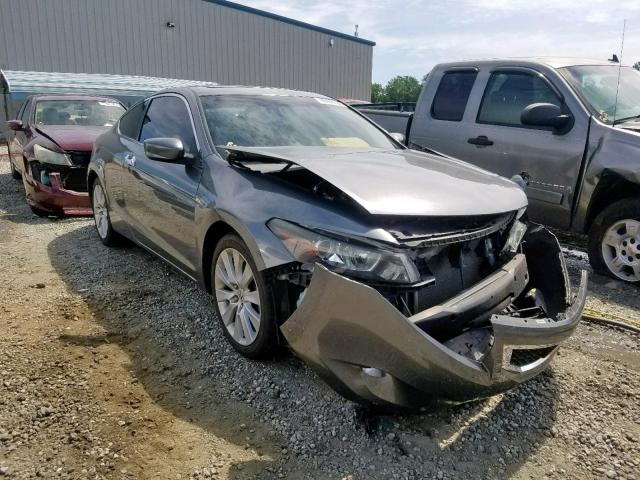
(481, 140)
(129, 159)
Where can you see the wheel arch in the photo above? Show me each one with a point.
(611, 188)
(92, 176)
(214, 233)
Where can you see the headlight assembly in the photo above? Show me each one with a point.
(44, 155)
(345, 256)
(518, 229)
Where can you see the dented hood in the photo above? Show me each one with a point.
(401, 182)
(72, 137)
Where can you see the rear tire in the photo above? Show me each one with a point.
(614, 241)
(100, 207)
(243, 299)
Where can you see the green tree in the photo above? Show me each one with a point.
(377, 93)
(402, 89)
(636, 65)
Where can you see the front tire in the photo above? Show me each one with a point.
(614, 241)
(243, 299)
(15, 174)
(39, 211)
(100, 207)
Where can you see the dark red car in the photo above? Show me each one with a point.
(50, 147)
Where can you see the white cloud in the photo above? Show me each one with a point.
(414, 35)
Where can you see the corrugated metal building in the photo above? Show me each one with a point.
(212, 40)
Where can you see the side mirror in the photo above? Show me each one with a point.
(545, 115)
(398, 137)
(15, 125)
(164, 149)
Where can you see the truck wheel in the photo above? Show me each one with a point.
(614, 241)
(243, 299)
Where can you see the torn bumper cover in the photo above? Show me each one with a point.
(55, 198)
(370, 352)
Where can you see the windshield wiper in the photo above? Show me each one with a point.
(624, 119)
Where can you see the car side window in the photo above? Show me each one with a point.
(169, 117)
(450, 100)
(129, 123)
(508, 93)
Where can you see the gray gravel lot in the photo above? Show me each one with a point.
(113, 366)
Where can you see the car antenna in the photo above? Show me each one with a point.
(615, 106)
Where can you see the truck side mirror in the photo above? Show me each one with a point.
(545, 115)
(15, 125)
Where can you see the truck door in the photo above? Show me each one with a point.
(442, 125)
(497, 141)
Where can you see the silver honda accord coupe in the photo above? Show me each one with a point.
(402, 277)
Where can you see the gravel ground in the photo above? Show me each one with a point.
(112, 366)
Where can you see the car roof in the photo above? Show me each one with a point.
(553, 62)
(62, 96)
(243, 90)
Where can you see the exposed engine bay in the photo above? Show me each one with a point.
(72, 177)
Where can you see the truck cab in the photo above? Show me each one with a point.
(570, 128)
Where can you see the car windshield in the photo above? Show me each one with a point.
(78, 112)
(284, 121)
(597, 85)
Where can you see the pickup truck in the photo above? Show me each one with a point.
(569, 128)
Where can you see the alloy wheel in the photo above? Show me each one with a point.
(621, 249)
(237, 296)
(100, 213)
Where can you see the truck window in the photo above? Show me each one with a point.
(508, 93)
(451, 97)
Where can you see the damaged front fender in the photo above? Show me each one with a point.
(370, 352)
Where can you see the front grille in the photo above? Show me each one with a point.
(436, 231)
(80, 158)
(526, 356)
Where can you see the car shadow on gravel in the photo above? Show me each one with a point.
(165, 336)
(166, 325)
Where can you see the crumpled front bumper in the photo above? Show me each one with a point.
(55, 199)
(370, 352)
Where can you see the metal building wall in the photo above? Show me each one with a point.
(210, 42)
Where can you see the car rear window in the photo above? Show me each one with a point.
(452, 95)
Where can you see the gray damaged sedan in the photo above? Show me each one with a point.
(401, 277)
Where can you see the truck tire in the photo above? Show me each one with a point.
(614, 241)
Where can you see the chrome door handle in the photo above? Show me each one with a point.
(129, 159)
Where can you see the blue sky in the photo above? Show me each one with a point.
(414, 35)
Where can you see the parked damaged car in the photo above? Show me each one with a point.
(400, 276)
(50, 146)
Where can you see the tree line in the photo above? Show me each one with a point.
(399, 89)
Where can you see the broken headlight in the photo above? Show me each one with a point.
(44, 155)
(516, 234)
(345, 256)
